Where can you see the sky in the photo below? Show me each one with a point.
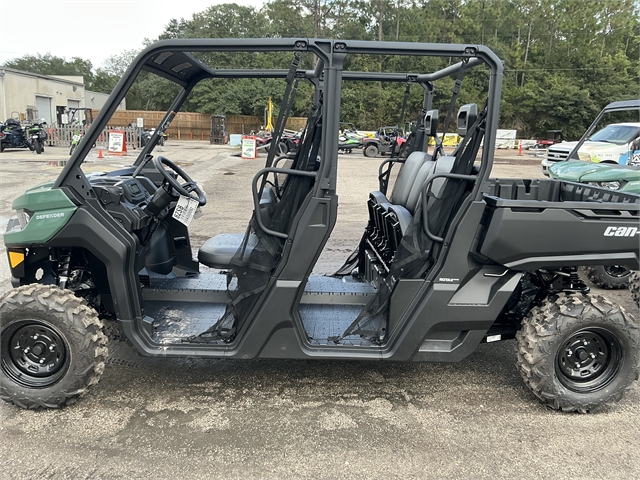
(90, 29)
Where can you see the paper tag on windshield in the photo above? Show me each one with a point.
(185, 210)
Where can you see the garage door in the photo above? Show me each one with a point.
(43, 105)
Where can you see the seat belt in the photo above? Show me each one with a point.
(456, 90)
(407, 90)
(287, 100)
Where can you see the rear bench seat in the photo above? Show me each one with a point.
(390, 219)
(378, 203)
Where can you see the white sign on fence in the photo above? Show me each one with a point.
(506, 138)
(140, 122)
(249, 148)
(117, 144)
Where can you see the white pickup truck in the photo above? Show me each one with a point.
(615, 143)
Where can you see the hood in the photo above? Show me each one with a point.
(595, 151)
(578, 171)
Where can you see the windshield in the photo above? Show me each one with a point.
(618, 134)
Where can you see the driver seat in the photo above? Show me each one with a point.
(218, 251)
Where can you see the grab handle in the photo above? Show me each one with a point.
(456, 176)
(256, 197)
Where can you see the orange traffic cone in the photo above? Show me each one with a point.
(100, 154)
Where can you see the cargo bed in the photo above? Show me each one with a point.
(540, 223)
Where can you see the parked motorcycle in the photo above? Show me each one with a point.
(12, 135)
(81, 127)
(37, 136)
(146, 136)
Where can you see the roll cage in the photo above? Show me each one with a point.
(173, 60)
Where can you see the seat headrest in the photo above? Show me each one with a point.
(417, 158)
(467, 116)
(443, 165)
(431, 123)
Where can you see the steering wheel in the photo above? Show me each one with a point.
(188, 189)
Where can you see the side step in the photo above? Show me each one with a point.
(213, 288)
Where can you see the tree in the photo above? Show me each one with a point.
(48, 64)
(564, 59)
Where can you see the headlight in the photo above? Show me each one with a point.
(616, 185)
(23, 218)
(585, 157)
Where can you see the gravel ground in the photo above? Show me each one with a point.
(186, 418)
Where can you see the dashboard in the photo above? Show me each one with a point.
(125, 198)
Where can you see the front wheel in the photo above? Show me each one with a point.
(578, 353)
(52, 347)
(611, 277)
(73, 147)
(371, 151)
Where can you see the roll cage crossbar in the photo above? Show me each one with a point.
(174, 60)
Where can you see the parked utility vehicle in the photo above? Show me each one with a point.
(613, 143)
(449, 259)
(387, 141)
(621, 178)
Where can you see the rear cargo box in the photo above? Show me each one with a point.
(539, 223)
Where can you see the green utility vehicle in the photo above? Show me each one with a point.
(621, 178)
(604, 141)
(448, 259)
(621, 173)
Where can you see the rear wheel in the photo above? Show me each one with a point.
(612, 277)
(371, 151)
(578, 353)
(38, 147)
(73, 147)
(283, 148)
(52, 347)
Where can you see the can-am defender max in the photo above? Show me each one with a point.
(448, 259)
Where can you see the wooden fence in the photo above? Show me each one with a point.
(61, 135)
(194, 126)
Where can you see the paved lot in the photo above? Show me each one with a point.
(184, 418)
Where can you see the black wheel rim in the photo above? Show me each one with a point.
(34, 354)
(589, 360)
(617, 271)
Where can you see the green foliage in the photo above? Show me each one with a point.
(48, 64)
(564, 59)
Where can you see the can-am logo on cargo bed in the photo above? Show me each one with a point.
(621, 231)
